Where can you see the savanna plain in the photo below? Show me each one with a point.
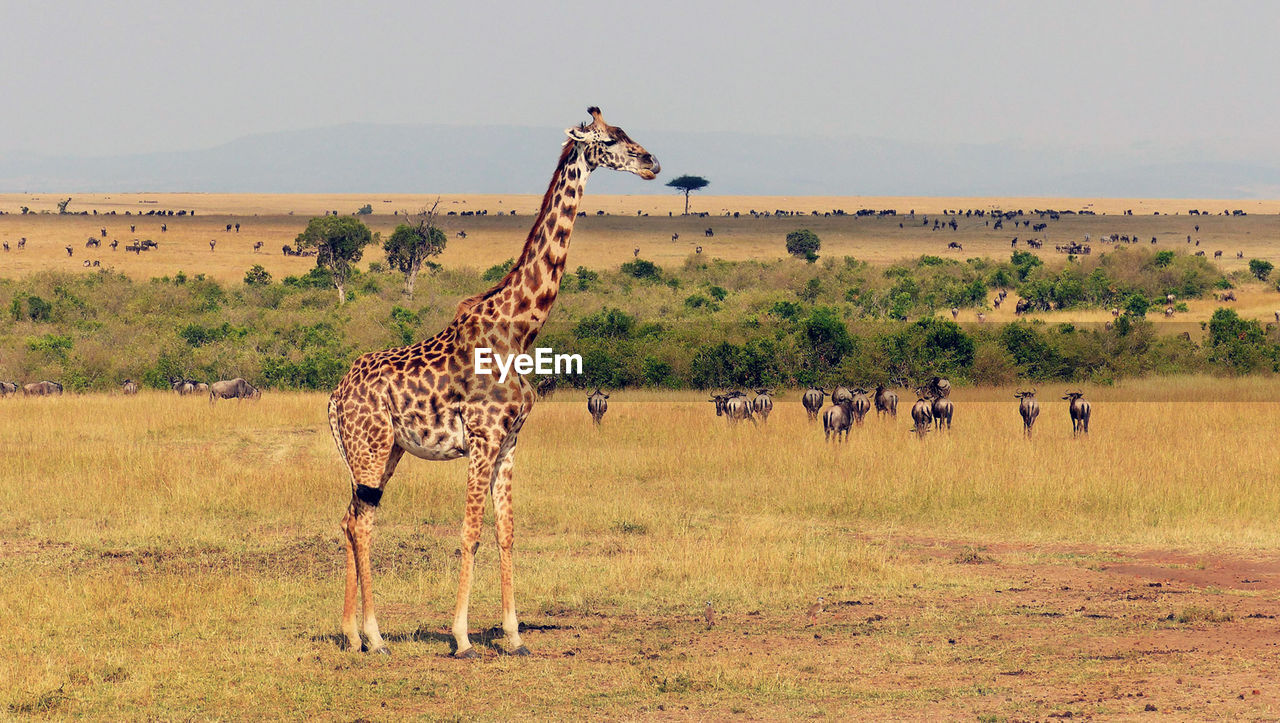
(163, 557)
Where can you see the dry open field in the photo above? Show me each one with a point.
(184, 561)
(609, 240)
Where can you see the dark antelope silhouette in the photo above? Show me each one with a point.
(922, 411)
(597, 405)
(812, 401)
(1029, 408)
(1080, 412)
(837, 419)
(762, 405)
(886, 401)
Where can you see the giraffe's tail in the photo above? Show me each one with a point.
(335, 426)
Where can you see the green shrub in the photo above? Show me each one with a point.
(608, 323)
(642, 269)
(804, 243)
(53, 346)
(257, 276)
(698, 301)
(496, 272)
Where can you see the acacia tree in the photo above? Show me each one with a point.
(804, 243)
(686, 185)
(339, 243)
(412, 243)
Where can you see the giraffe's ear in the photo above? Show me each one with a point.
(578, 133)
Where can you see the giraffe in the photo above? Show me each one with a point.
(425, 398)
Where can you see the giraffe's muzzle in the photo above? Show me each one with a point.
(650, 171)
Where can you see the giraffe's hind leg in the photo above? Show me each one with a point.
(365, 500)
(504, 528)
(372, 459)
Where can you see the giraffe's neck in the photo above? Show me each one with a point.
(526, 294)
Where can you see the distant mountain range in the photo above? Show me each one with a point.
(376, 158)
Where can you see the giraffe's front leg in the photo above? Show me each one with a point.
(504, 524)
(479, 476)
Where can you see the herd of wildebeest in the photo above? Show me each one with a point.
(933, 408)
(236, 388)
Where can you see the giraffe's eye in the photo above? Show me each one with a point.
(608, 143)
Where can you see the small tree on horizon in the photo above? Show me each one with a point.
(412, 243)
(686, 185)
(339, 243)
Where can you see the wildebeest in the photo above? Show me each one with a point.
(813, 396)
(762, 405)
(939, 387)
(720, 400)
(7, 388)
(182, 386)
(942, 410)
(841, 394)
(738, 409)
(545, 387)
(886, 401)
(233, 389)
(201, 388)
(860, 405)
(1079, 413)
(129, 387)
(597, 405)
(922, 412)
(1029, 408)
(837, 419)
(45, 388)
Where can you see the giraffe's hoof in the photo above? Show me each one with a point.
(521, 651)
(467, 654)
(383, 650)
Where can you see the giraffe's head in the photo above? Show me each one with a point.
(604, 145)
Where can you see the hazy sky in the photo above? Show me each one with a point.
(92, 77)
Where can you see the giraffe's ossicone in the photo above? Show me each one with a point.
(424, 399)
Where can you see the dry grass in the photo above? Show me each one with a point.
(167, 559)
